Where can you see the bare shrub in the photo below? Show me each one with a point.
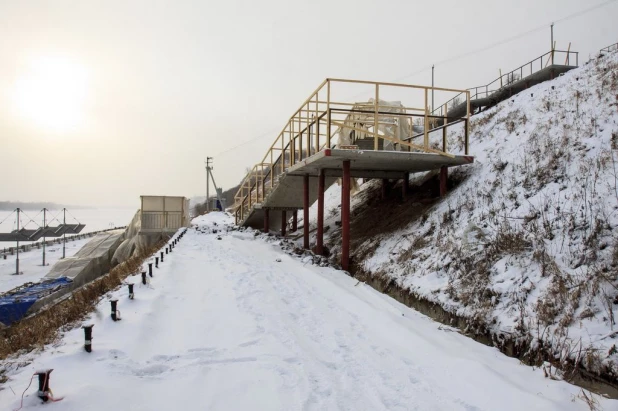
(508, 241)
(418, 243)
(478, 122)
(589, 400)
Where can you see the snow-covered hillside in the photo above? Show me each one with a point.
(231, 321)
(526, 245)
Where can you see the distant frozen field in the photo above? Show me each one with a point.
(95, 218)
(30, 263)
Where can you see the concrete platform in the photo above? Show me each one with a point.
(288, 193)
(374, 164)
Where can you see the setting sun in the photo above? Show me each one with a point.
(50, 94)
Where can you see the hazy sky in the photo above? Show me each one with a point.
(102, 101)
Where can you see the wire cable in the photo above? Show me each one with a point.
(509, 39)
(55, 218)
(265, 134)
(455, 58)
(72, 216)
(31, 219)
(7, 217)
(22, 394)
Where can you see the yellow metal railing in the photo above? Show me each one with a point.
(322, 118)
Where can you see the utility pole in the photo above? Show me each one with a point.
(208, 168)
(44, 229)
(218, 191)
(17, 260)
(64, 236)
(432, 66)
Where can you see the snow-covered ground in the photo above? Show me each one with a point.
(237, 324)
(31, 264)
(526, 245)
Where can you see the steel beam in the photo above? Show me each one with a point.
(284, 222)
(306, 211)
(345, 217)
(443, 178)
(319, 249)
(266, 220)
(295, 220)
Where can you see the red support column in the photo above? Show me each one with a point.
(306, 211)
(266, 220)
(284, 222)
(295, 221)
(319, 249)
(443, 177)
(384, 187)
(345, 216)
(404, 186)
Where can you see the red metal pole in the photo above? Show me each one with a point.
(443, 177)
(266, 220)
(345, 216)
(295, 221)
(306, 211)
(284, 222)
(384, 187)
(320, 235)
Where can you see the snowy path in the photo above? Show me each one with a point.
(223, 326)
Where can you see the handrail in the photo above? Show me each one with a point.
(549, 58)
(609, 49)
(322, 118)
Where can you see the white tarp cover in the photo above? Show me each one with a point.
(135, 244)
(92, 261)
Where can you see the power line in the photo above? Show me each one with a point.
(509, 39)
(246, 142)
(457, 57)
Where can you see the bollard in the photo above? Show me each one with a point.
(115, 311)
(88, 337)
(161, 256)
(150, 269)
(144, 277)
(131, 295)
(165, 250)
(156, 262)
(44, 391)
(171, 248)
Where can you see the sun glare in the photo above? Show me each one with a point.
(50, 94)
